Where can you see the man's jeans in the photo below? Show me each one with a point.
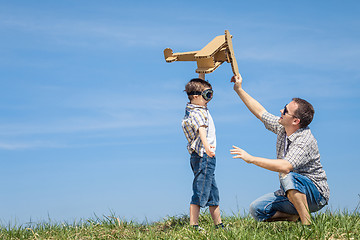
(205, 191)
(266, 206)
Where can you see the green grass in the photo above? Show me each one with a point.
(327, 225)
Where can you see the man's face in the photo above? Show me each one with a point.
(288, 114)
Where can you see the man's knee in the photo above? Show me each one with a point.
(295, 195)
(254, 210)
(292, 193)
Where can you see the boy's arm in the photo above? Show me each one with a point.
(207, 146)
(254, 106)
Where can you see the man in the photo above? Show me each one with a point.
(303, 182)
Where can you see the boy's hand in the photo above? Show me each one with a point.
(238, 81)
(210, 151)
(241, 154)
(208, 148)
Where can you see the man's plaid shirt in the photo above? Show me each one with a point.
(301, 151)
(195, 117)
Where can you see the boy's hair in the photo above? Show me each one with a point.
(305, 112)
(196, 85)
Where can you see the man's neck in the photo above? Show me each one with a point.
(290, 130)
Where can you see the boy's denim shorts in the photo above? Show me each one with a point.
(205, 191)
(266, 206)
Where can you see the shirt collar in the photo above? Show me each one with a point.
(192, 106)
(292, 137)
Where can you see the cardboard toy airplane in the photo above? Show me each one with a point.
(219, 50)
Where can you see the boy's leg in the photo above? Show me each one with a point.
(196, 166)
(214, 201)
(205, 191)
(194, 214)
(215, 214)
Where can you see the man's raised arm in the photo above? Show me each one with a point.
(254, 106)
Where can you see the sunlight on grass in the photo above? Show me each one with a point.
(327, 225)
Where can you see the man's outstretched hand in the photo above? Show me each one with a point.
(237, 80)
(239, 153)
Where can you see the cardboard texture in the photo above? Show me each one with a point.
(233, 62)
(219, 50)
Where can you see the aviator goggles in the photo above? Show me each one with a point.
(206, 94)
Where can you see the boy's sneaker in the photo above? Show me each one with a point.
(221, 226)
(198, 228)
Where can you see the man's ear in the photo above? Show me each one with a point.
(296, 121)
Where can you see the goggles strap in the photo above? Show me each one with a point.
(194, 93)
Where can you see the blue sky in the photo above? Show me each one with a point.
(91, 112)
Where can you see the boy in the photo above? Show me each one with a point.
(199, 130)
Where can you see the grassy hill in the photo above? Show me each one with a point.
(339, 225)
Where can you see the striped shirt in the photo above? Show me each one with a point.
(301, 150)
(195, 117)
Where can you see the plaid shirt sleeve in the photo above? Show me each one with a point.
(191, 123)
(271, 122)
(199, 119)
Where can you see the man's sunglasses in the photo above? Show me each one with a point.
(206, 94)
(285, 111)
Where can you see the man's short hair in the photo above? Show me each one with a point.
(305, 112)
(196, 85)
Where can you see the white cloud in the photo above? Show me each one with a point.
(22, 145)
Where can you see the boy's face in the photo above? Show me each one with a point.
(207, 94)
(204, 98)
